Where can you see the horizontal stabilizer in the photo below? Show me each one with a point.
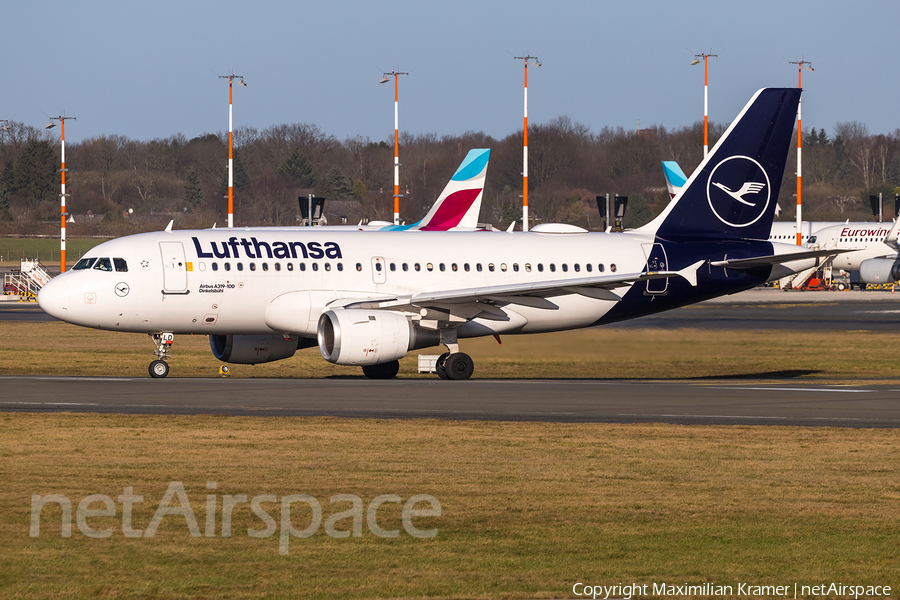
(773, 259)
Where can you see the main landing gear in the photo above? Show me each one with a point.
(159, 368)
(453, 364)
(458, 365)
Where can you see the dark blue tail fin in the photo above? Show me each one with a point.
(733, 193)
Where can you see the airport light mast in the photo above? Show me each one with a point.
(801, 64)
(534, 60)
(696, 61)
(62, 192)
(385, 79)
(231, 79)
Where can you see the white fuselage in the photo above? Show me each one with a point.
(215, 282)
(864, 240)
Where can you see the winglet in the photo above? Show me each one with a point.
(690, 272)
(512, 227)
(169, 226)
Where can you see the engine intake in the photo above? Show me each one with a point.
(353, 336)
(253, 349)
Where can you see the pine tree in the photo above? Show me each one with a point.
(193, 194)
(359, 189)
(337, 185)
(894, 171)
(297, 168)
(7, 185)
(36, 172)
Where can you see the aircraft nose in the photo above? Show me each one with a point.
(54, 299)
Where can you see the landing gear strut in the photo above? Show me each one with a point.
(453, 364)
(159, 368)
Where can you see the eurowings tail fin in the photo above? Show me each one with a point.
(675, 177)
(460, 202)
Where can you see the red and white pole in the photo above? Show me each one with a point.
(231, 79)
(230, 156)
(62, 191)
(525, 157)
(396, 150)
(384, 79)
(525, 59)
(62, 199)
(696, 60)
(800, 66)
(705, 106)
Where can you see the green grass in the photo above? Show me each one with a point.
(54, 348)
(45, 249)
(528, 509)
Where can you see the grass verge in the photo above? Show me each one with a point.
(54, 348)
(528, 509)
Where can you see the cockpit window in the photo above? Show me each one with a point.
(121, 265)
(103, 264)
(84, 263)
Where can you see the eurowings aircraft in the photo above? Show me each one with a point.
(368, 298)
(456, 209)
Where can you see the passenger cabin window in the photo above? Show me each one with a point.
(215, 266)
(84, 263)
(121, 265)
(103, 264)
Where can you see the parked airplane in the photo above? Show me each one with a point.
(866, 247)
(456, 209)
(675, 177)
(367, 299)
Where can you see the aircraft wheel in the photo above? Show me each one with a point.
(386, 370)
(459, 366)
(159, 369)
(440, 366)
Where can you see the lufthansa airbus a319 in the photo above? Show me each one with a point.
(367, 298)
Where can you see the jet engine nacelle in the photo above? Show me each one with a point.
(252, 349)
(879, 270)
(354, 336)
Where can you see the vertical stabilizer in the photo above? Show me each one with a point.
(734, 191)
(675, 177)
(460, 202)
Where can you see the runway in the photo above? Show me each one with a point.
(754, 309)
(778, 401)
(707, 401)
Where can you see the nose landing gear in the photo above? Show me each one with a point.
(159, 368)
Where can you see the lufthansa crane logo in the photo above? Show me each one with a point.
(739, 191)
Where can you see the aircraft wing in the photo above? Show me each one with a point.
(773, 259)
(534, 294)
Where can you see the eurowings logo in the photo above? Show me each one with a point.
(739, 191)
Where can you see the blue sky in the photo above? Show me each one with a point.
(148, 70)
